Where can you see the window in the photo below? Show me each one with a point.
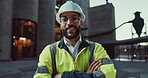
(23, 39)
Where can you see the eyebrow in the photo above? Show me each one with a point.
(66, 16)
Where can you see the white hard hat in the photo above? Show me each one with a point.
(70, 6)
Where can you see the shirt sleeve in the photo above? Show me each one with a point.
(44, 69)
(107, 68)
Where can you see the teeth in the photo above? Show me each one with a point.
(71, 28)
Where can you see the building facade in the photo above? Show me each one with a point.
(5, 28)
(101, 23)
(26, 27)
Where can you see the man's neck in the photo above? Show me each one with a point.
(72, 41)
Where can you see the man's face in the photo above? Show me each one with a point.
(70, 24)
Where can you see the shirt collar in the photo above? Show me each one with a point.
(67, 43)
(83, 44)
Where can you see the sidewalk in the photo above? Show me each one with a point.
(18, 69)
(128, 69)
(26, 69)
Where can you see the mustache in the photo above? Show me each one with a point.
(69, 26)
(77, 32)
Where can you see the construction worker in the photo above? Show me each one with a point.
(73, 56)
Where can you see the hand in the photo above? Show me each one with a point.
(95, 65)
(58, 76)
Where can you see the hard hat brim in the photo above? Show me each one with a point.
(82, 16)
(69, 6)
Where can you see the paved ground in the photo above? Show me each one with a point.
(26, 69)
(18, 69)
(128, 69)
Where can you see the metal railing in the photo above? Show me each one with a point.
(128, 50)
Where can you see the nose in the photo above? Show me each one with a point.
(69, 22)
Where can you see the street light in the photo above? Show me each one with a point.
(138, 23)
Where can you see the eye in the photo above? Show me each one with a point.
(64, 19)
(74, 18)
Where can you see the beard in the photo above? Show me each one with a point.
(73, 35)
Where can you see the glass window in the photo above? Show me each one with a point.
(23, 39)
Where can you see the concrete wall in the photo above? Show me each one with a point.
(5, 29)
(85, 5)
(101, 19)
(40, 11)
(43, 13)
(46, 21)
(23, 9)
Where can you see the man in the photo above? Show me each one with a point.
(73, 56)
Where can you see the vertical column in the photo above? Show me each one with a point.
(25, 9)
(46, 21)
(5, 29)
(84, 5)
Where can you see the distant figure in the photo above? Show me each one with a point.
(138, 23)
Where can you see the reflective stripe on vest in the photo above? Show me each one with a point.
(53, 53)
(106, 61)
(99, 74)
(42, 69)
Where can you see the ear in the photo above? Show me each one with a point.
(81, 23)
(60, 26)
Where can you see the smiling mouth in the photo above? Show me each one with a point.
(71, 32)
(71, 28)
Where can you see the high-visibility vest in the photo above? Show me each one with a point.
(53, 53)
(65, 63)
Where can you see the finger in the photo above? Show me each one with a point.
(57, 76)
(91, 65)
(95, 66)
